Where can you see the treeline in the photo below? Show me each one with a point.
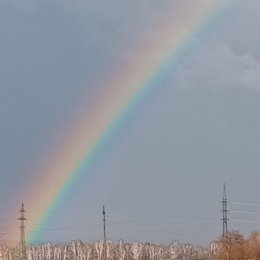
(231, 246)
(76, 250)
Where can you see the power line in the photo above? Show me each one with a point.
(245, 204)
(246, 221)
(244, 212)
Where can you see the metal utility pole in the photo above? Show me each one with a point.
(104, 229)
(224, 212)
(22, 234)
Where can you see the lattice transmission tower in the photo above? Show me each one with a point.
(224, 212)
(104, 230)
(22, 246)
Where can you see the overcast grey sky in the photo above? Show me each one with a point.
(161, 177)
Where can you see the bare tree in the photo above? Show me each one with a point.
(231, 246)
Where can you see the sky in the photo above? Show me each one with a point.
(161, 174)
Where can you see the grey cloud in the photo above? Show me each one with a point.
(200, 128)
(240, 28)
(218, 64)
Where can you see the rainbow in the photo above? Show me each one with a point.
(74, 157)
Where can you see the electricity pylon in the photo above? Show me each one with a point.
(224, 212)
(22, 253)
